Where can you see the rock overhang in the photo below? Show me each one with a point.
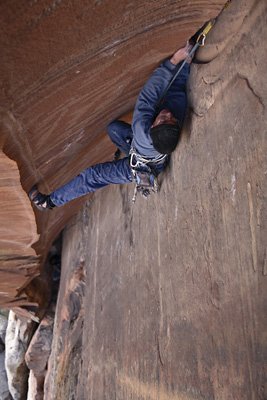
(67, 70)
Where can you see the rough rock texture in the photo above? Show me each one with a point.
(3, 326)
(67, 69)
(33, 389)
(67, 334)
(37, 357)
(4, 392)
(18, 260)
(18, 335)
(175, 286)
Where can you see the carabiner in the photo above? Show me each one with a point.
(201, 39)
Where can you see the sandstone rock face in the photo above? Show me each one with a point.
(18, 335)
(38, 352)
(175, 287)
(37, 357)
(67, 69)
(33, 392)
(4, 392)
(67, 334)
(19, 263)
(3, 326)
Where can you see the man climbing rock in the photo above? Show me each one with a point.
(147, 143)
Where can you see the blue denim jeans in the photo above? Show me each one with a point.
(100, 175)
(121, 135)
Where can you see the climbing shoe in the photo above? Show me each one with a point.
(40, 200)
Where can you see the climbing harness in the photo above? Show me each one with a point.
(137, 161)
(144, 175)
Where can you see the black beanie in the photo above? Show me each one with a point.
(165, 137)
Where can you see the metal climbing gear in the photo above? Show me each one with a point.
(137, 161)
(144, 175)
(200, 41)
(145, 183)
(203, 34)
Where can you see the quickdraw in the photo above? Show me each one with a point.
(200, 41)
(202, 36)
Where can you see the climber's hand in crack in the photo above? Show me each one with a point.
(182, 54)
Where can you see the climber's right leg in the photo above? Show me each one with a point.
(89, 180)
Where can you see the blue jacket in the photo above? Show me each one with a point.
(145, 108)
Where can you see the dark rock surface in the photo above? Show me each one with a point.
(67, 69)
(165, 299)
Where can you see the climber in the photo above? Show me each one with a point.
(147, 143)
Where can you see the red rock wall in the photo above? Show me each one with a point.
(67, 69)
(19, 262)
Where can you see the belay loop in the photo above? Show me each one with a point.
(144, 175)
